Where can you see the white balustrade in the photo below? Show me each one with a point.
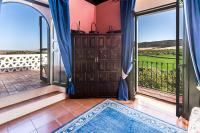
(20, 62)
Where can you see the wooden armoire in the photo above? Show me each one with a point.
(96, 64)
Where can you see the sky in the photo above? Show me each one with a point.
(158, 26)
(19, 27)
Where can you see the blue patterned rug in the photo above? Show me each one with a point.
(113, 117)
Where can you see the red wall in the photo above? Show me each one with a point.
(108, 13)
(82, 11)
(105, 14)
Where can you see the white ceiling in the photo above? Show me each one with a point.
(147, 4)
(140, 4)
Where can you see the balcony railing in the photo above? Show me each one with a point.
(19, 62)
(158, 76)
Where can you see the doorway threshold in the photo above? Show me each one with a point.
(169, 97)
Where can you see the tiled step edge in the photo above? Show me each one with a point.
(27, 95)
(30, 107)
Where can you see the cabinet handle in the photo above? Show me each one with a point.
(97, 59)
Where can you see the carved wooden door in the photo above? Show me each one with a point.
(96, 65)
(79, 63)
(90, 51)
(84, 65)
(109, 64)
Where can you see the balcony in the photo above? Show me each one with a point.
(158, 79)
(20, 73)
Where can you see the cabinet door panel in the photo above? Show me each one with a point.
(101, 66)
(90, 54)
(90, 67)
(90, 77)
(80, 77)
(113, 76)
(79, 54)
(84, 65)
(84, 42)
(77, 42)
(103, 76)
(112, 66)
(92, 42)
(103, 54)
(78, 67)
(113, 42)
(101, 42)
(115, 54)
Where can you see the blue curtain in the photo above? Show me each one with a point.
(127, 25)
(192, 21)
(61, 18)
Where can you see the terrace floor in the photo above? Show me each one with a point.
(48, 119)
(158, 94)
(15, 82)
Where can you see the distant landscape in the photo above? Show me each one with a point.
(5, 52)
(159, 44)
(157, 64)
(160, 52)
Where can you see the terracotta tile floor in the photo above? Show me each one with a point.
(15, 82)
(54, 116)
(170, 97)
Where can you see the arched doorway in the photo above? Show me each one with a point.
(24, 47)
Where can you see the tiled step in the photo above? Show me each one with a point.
(25, 107)
(30, 94)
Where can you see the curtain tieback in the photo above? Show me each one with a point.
(70, 79)
(198, 87)
(124, 75)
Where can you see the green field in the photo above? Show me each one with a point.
(163, 58)
(157, 69)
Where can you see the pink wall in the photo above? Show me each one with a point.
(82, 11)
(105, 14)
(108, 13)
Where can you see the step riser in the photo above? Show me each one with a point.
(26, 109)
(26, 95)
